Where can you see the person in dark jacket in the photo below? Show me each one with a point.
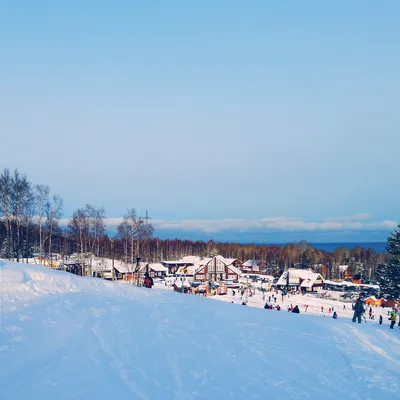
(296, 310)
(334, 316)
(380, 320)
(358, 310)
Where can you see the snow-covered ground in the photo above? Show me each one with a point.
(67, 337)
(314, 301)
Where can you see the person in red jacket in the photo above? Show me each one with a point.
(148, 281)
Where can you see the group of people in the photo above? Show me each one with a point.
(359, 311)
(268, 306)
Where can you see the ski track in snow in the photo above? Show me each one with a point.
(64, 337)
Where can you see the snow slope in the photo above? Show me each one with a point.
(66, 337)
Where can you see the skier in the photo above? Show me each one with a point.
(380, 320)
(358, 310)
(392, 319)
(148, 281)
(334, 316)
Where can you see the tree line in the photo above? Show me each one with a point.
(30, 225)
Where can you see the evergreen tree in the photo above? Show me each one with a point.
(273, 267)
(389, 273)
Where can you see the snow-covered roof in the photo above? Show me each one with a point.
(124, 268)
(176, 262)
(183, 260)
(201, 264)
(227, 261)
(251, 263)
(308, 277)
(189, 270)
(158, 267)
(345, 283)
(191, 259)
(235, 270)
(309, 282)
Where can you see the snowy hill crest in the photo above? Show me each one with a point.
(68, 337)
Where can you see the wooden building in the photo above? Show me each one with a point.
(216, 269)
(300, 279)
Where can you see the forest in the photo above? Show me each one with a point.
(30, 225)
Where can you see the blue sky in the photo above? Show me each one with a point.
(207, 111)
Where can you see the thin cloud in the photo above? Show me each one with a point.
(354, 223)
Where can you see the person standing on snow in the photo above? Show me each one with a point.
(380, 320)
(148, 281)
(358, 310)
(392, 319)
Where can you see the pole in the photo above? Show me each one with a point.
(113, 270)
(137, 270)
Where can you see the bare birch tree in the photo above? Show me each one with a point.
(77, 227)
(28, 223)
(96, 229)
(21, 191)
(87, 227)
(132, 230)
(42, 194)
(5, 209)
(53, 212)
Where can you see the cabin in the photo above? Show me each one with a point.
(186, 271)
(155, 270)
(182, 286)
(344, 273)
(390, 303)
(373, 301)
(184, 262)
(251, 266)
(300, 279)
(72, 267)
(217, 268)
(127, 272)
